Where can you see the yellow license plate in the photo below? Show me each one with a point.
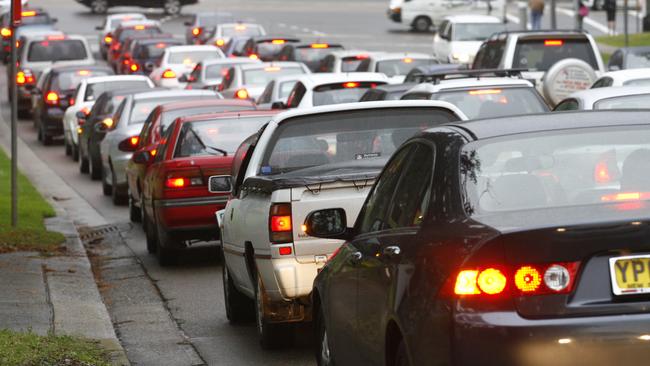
(630, 275)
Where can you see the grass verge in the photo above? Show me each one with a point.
(30, 235)
(636, 39)
(27, 349)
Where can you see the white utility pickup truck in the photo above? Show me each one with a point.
(304, 160)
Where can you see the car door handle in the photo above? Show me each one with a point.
(392, 251)
(355, 258)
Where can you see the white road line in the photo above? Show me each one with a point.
(601, 27)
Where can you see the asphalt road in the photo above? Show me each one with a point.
(192, 290)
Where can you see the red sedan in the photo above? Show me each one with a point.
(189, 179)
(154, 127)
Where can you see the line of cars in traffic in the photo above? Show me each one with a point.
(348, 190)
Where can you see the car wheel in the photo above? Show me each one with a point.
(75, 152)
(152, 241)
(99, 6)
(107, 189)
(166, 246)
(68, 148)
(422, 24)
(401, 358)
(239, 308)
(83, 163)
(134, 211)
(271, 335)
(172, 7)
(119, 199)
(95, 168)
(24, 114)
(45, 138)
(323, 351)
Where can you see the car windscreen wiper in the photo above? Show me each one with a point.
(205, 146)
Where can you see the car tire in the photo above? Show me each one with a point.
(150, 235)
(271, 335)
(75, 152)
(24, 114)
(401, 358)
(239, 308)
(107, 189)
(134, 211)
(95, 169)
(119, 199)
(99, 6)
(66, 144)
(83, 164)
(166, 247)
(172, 7)
(322, 348)
(421, 24)
(45, 138)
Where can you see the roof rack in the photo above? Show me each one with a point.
(529, 31)
(436, 77)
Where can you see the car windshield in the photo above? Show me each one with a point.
(132, 32)
(638, 82)
(140, 109)
(241, 30)
(285, 88)
(541, 54)
(217, 72)
(314, 54)
(57, 50)
(269, 49)
(638, 59)
(495, 102)
(153, 50)
(596, 166)
(216, 137)
(347, 92)
(170, 116)
(191, 58)
(71, 79)
(310, 141)
(350, 64)
(401, 66)
(93, 91)
(476, 31)
(262, 76)
(41, 18)
(639, 101)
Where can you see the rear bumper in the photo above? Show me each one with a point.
(286, 279)
(603, 340)
(187, 214)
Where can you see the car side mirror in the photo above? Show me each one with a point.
(329, 223)
(613, 68)
(141, 157)
(278, 105)
(220, 184)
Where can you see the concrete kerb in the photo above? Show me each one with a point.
(76, 302)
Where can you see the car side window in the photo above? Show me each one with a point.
(616, 60)
(296, 95)
(603, 82)
(411, 199)
(372, 217)
(118, 113)
(567, 105)
(196, 73)
(489, 55)
(164, 144)
(327, 64)
(266, 95)
(227, 80)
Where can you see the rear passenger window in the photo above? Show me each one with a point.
(296, 95)
(489, 56)
(603, 82)
(541, 54)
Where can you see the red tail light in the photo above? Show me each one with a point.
(108, 39)
(169, 74)
(280, 228)
(601, 173)
(253, 56)
(553, 42)
(126, 62)
(285, 250)
(25, 77)
(184, 179)
(196, 31)
(351, 84)
(177, 182)
(524, 280)
(6, 32)
(625, 196)
(129, 144)
(52, 98)
(134, 67)
(241, 94)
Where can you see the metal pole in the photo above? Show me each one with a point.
(625, 22)
(553, 15)
(576, 18)
(14, 124)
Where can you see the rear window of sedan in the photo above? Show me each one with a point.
(57, 50)
(607, 166)
(541, 54)
(216, 137)
(314, 53)
(153, 50)
(347, 92)
(170, 116)
(39, 18)
(93, 91)
(70, 80)
(262, 76)
(132, 32)
(191, 57)
(402, 66)
(241, 30)
(494, 102)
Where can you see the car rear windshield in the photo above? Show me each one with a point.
(541, 54)
(333, 138)
(639, 101)
(141, 109)
(269, 49)
(262, 76)
(59, 50)
(494, 102)
(40, 18)
(401, 66)
(216, 137)
(351, 64)
(170, 116)
(310, 54)
(70, 80)
(217, 71)
(132, 32)
(580, 167)
(476, 31)
(192, 58)
(93, 91)
(241, 30)
(638, 59)
(347, 92)
(153, 50)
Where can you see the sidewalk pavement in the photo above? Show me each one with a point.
(55, 294)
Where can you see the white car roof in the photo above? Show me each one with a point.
(261, 65)
(145, 22)
(126, 15)
(591, 96)
(399, 55)
(469, 83)
(230, 60)
(110, 78)
(188, 48)
(313, 80)
(346, 53)
(279, 118)
(473, 19)
(628, 74)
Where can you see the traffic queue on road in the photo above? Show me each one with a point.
(410, 206)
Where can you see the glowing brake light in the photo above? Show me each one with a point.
(466, 283)
(320, 45)
(161, 45)
(220, 42)
(108, 122)
(625, 196)
(253, 56)
(491, 281)
(601, 173)
(52, 98)
(278, 41)
(169, 74)
(351, 84)
(485, 92)
(196, 31)
(272, 68)
(240, 27)
(24, 77)
(108, 39)
(407, 60)
(83, 72)
(5, 32)
(134, 140)
(28, 13)
(285, 251)
(134, 67)
(176, 182)
(553, 42)
(56, 37)
(361, 57)
(528, 279)
(280, 228)
(139, 27)
(241, 94)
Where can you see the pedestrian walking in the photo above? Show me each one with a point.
(610, 8)
(536, 12)
(583, 11)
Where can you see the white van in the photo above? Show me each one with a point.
(422, 14)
